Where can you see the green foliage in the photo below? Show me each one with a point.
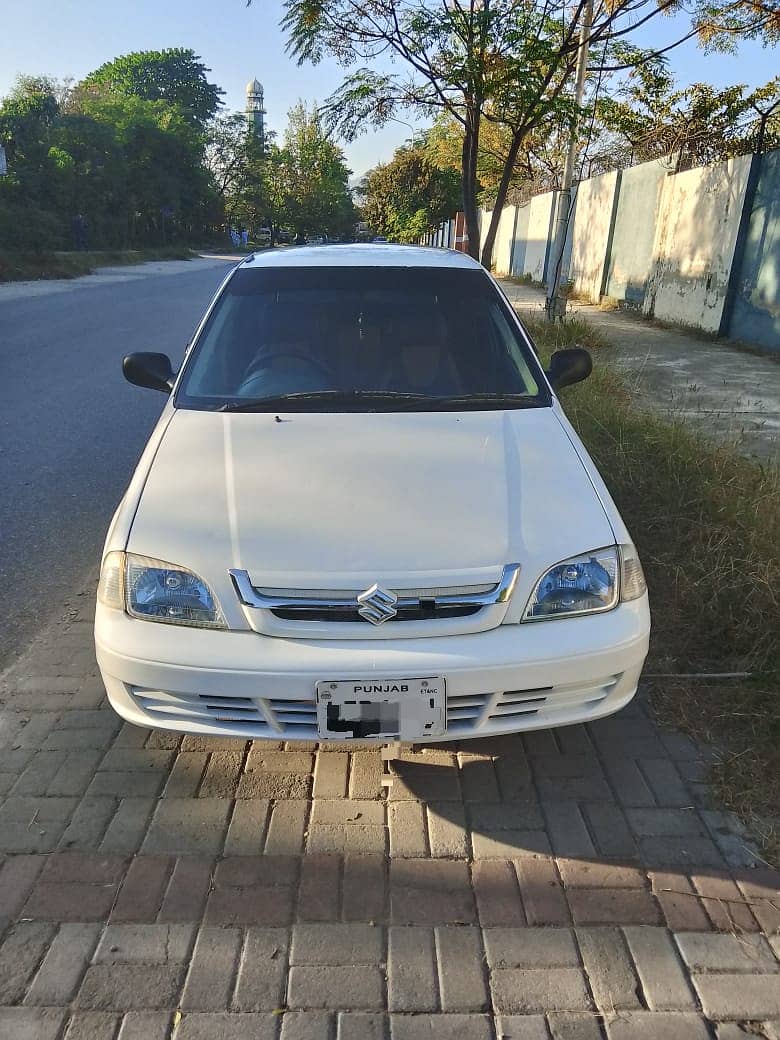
(409, 195)
(175, 76)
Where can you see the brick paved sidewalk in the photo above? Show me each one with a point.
(572, 885)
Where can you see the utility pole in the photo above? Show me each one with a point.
(556, 302)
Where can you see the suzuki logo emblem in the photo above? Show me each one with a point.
(377, 605)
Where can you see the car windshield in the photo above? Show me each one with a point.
(361, 339)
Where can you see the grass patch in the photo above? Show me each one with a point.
(28, 266)
(706, 522)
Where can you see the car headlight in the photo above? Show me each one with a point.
(588, 584)
(153, 590)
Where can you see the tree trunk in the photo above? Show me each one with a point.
(469, 182)
(503, 188)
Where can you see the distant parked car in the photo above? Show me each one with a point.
(363, 514)
(283, 236)
(379, 238)
(263, 236)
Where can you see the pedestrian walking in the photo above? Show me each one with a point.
(244, 237)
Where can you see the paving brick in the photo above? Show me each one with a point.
(508, 844)
(688, 851)
(89, 823)
(74, 775)
(163, 740)
(567, 829)
(187, 890)
(478, 780)
(143, 889)
(93, 1025)
(679, 904)
(209, 981)
(358, 838)
(364, 888)
(633, 737)
(335, 988)
(613, 906)
(69, 901)
(655, 1025)
(727, 996)
(406, 822)
(256, 890)
(336, 944)
(64, 965)
(262, 970)
(762, 889)
(22, 950)
(627, 781)
(145, 944)
(531, 948)
(226, 1026)
(365, 778)
(574, 789)
(430, 892)
(609, 969)
(523, 814)
(542, 892)
(78, 739)
(522, 1027)
(664, 982)
(462, 982)
(319, 889)
(607, 825)
(125, 832)
(360, 1026)
(421, 781)
(497, 893)
(528, 991)
(88, 868)
(713, 951)
(732, 838)
(665, 782)
(306, 1025)
(578, 873)
(662, 822)
(186, 825)
(145, 1025)
(723, 902)
(17, 876)
(411, 970)
(440, 1027)
(186, 774)
(130, 987)
(447, 831)
(36, 731)
(287, 827)
(575, 1026)
(206, 743)
(131, 736)
(256, 783)
(514, 776)
(136, 760)
(29, 824)
(222, 772)
(330, 776)
(247, 828)
(36, 777)
(21, 1023)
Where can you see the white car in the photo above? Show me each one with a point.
(363, 515)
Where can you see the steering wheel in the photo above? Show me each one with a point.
(262, 362)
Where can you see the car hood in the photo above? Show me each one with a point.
(329, 500)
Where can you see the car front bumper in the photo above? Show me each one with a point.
(251, 686)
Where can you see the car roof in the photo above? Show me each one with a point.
(368, 255)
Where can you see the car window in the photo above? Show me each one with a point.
(429, 332)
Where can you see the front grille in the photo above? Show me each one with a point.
(191, 707)
(425, 610)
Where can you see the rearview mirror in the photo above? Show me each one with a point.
(153, 371)
(569, 366)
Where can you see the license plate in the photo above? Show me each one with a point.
(381, 709)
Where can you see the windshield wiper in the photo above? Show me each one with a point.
(477, 401)
(281, 400)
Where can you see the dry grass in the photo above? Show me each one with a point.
(706, 522)
(30, 266)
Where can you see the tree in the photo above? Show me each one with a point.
(314, 176)
(508, 62)
(409, 195)
(175, 76)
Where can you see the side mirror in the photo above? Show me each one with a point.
(569, 366)
(153, 371)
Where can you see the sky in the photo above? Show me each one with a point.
(64, 38)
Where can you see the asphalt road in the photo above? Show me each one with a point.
(71, 428)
